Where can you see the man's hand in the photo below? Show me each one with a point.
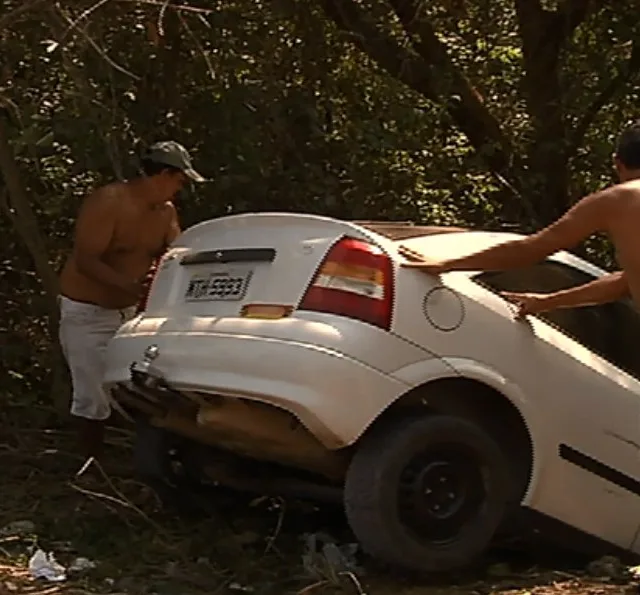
(607, 288)
(421, 263)
(527, 303)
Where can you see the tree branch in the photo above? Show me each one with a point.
(451, 87)
(101, 52)
(615, 85)
(177, 7)
(428, 69)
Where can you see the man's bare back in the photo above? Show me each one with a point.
(623, 230)
(119, 227)
(615, 211)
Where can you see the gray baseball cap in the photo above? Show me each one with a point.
(173, 154)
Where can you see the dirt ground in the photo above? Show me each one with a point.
(243, 546)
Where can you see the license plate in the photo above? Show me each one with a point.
(225, 286)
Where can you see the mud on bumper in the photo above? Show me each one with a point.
(148, 394)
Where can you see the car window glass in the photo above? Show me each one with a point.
(610, 330)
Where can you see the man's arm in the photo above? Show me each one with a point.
(605, 289)
(173, 230)
(583, 219)
(94, 230)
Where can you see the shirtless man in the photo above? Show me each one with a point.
(615, 211)
(121, 231)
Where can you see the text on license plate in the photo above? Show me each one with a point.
(223, 286)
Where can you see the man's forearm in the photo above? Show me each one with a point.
(510, 255)
(605, 289)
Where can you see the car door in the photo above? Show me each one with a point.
(593, 479)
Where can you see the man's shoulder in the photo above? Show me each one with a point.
(115, 191)
(616, 198)
(602, 200)
(106, 197)
(609, 204)
(628, 190)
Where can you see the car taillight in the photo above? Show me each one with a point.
(148, 282)
(354, 280)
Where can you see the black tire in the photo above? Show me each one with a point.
(397, 513)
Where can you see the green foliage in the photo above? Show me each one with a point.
(457, 113)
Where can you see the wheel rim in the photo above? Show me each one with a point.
(440, 490)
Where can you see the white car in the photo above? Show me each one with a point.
(298, 341)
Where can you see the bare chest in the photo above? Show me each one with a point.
(141, 233)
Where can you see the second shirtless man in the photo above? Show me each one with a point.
(122, 229)
(614, 211)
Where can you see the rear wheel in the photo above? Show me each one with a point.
(428, 493)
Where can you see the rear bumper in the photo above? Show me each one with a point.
(333, 395)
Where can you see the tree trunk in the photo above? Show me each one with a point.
(19, 211)
(547, 160)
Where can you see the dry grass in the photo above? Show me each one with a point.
(108, 517)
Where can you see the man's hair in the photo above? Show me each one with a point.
(153, 168)
(628, 149)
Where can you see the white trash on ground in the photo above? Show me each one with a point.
(43, 565)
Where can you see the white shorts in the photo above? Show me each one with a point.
(85, 331)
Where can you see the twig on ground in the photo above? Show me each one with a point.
(141, 486)
(121, 499)
(312, 587)
(46, 432)
(566, 574)
(84, 467)
(354, 579)
(272, 538)
(99, 495)
(122, 433)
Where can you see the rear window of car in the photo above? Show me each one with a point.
(399, 231)
(610, 330)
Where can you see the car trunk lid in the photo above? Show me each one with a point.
(220, 267)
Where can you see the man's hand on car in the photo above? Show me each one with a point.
(420, 262)
(526, 303)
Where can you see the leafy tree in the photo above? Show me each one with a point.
(495, 114)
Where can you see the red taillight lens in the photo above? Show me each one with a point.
(148, 282)
(354, 280)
